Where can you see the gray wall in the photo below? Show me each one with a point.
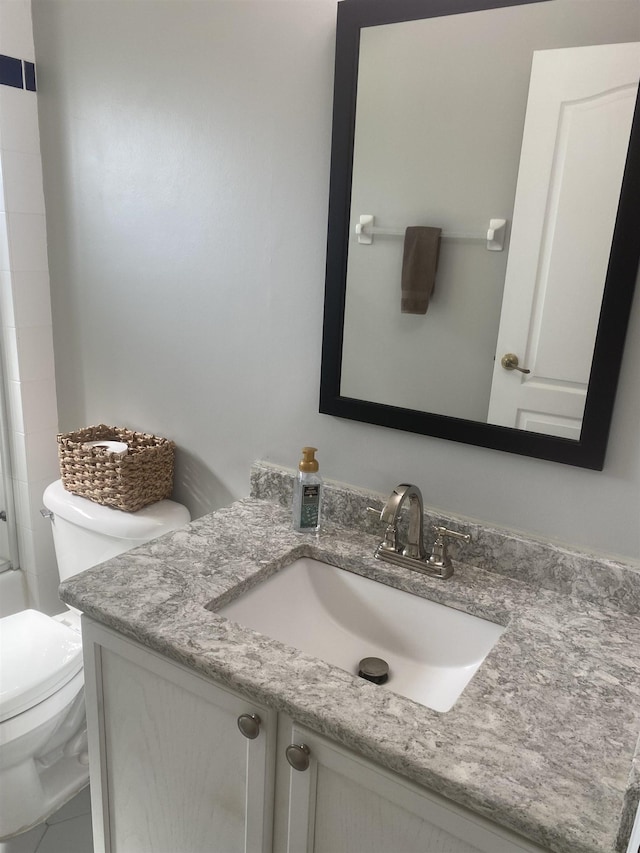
(186, 152)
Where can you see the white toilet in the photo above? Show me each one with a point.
(43, 743)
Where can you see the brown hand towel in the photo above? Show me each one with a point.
(419, 265)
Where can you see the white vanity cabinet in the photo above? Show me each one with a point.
(171, 772)
(344, 803)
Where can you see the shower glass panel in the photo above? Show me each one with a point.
(8, 534)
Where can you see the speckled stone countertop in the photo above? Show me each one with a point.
(543, 740)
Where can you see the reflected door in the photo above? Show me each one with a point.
(575, 140)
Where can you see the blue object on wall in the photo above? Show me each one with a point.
(11, 71)
(29, 76)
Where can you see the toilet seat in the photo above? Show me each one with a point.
(38, 656)
(41, 714)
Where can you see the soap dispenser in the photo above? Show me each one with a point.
(307, 493)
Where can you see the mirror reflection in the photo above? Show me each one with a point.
(519, 114)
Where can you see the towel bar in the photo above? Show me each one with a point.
(494, 238)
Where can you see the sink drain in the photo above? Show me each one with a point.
(375, 670)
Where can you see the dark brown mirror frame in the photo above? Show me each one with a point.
(589, 451)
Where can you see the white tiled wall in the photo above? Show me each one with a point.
(25, 315)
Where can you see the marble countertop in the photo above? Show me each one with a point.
(544, 739)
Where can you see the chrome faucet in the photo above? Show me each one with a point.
(413, 554)
(391, 515)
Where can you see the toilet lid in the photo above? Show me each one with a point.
(37, 656)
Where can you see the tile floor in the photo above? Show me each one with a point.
(67, 831)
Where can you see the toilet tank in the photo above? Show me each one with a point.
(86, 533)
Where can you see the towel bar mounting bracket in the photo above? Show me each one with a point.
(495, 237)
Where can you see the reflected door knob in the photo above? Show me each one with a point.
(298, 756)
(510, 361)
(249, 725)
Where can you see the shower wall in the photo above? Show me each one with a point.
(25, 314)
(5, 561)
(8, 544)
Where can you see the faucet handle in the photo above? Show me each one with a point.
(440, 558)
(452, 534)
(389, 543)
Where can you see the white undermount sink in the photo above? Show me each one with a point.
(432, 651)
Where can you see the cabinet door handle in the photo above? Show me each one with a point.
(249, 725)
(298, 756)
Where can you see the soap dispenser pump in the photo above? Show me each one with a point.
(307, 493)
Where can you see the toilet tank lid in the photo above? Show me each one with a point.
(38, 655)
(145, 524)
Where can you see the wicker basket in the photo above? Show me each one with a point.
(142, 476)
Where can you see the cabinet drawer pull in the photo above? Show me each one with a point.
(298, 756)
(249, 725)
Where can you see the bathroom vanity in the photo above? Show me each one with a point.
(206, 735)
(215, 770)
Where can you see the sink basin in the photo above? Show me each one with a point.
(432, 651)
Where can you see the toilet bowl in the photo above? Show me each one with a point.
(43, 742)
(41, 710)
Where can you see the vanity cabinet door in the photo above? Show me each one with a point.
(343, 803)
(170, 769)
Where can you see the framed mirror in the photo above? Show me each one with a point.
(514, 130)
